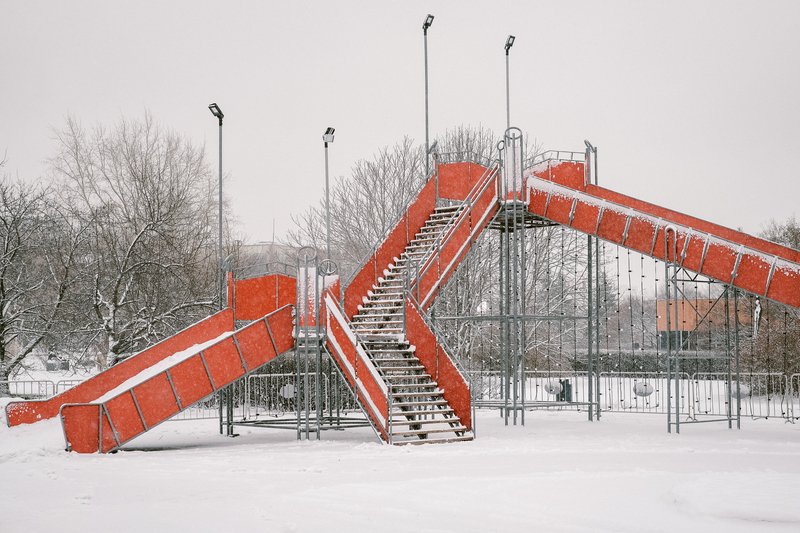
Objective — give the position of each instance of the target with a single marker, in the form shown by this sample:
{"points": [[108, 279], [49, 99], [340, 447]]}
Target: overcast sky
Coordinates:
{"points": [[693, 105]]}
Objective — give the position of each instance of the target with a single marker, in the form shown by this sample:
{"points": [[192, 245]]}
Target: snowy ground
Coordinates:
{"points": [[558, 473]]}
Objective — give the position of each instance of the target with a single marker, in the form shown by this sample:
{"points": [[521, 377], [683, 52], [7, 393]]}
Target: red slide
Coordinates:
{"points": [[113, 407], [557, 191]]}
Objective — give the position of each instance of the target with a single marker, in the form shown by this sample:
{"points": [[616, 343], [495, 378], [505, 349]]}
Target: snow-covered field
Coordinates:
{"points": [[558, 473]]}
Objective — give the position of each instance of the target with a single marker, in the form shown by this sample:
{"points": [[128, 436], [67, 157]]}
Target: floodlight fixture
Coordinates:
{"points": [[328, 135], [428, 23], [433, 147], [216, 111], [509, 43]]}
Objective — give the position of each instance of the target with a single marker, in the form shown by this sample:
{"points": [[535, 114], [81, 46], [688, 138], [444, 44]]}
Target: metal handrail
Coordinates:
{"points": [[365, 259], [555, 155]]}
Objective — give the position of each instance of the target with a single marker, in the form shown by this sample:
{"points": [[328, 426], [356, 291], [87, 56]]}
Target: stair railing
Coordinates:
{"points": [[448, 157], [443, 239]]}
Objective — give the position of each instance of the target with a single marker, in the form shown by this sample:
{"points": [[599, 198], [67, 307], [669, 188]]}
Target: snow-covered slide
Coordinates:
{"points": [[28, 412], [175, 383], [557, 191]]}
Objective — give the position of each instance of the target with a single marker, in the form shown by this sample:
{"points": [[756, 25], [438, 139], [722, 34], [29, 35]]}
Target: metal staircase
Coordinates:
{"points": [[418, 410]]}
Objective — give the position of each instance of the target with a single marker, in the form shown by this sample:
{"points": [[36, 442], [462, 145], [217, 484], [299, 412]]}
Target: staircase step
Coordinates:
{"points": [[423, 412], [462, 438], [420, 404], [413, 432], [418, 394], [402, 368]]}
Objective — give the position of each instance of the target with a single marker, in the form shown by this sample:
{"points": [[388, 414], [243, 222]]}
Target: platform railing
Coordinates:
{"points": [[555, 155]]}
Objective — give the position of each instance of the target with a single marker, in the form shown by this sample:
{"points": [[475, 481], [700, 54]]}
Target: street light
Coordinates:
{"points": [[327, 137], [509, 44], [217, 112], [425, 25]]}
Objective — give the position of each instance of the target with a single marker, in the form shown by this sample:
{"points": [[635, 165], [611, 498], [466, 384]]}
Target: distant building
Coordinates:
{"points": [[704, 317]]}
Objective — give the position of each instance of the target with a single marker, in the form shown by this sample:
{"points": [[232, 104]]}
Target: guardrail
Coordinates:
{"points": [[761, 395], [33, 389]]}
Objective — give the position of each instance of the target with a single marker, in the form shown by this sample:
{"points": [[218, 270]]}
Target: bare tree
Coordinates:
{"points": [[146, 195], [786, 233], [38, 248]]}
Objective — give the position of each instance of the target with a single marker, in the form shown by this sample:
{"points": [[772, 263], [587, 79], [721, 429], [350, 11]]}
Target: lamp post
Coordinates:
{"points": [[327, 137], [509, 44], [217, 112], [425, 25]]}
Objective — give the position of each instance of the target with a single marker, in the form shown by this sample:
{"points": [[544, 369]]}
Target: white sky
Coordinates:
{"points": [[693, 105]]}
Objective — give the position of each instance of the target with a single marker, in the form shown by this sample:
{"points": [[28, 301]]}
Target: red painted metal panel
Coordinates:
{"points": [[256, 297], [255, 344], [29, 412], [439, 364], [565, 173], [191, 381], [752, 274], [559, 208], [538, 202], [457, 179], [694, 254], [156, 400], [612, 226], [785, 286], [223, 362], [719, 262], [81, 424], [124, 417], [585, 217], [280, 323]]}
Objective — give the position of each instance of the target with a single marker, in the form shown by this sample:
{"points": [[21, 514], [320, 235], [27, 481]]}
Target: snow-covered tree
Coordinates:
{"points": [[39, 244], [147, 196]]}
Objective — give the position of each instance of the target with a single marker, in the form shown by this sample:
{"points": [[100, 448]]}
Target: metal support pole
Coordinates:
{"points": [[427, 143], [508, 95], [589, 318], [327, 208]]}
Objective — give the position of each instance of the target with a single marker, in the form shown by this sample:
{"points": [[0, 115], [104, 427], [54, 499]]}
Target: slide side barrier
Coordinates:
{"points": [[438, 363], [357, 367]]}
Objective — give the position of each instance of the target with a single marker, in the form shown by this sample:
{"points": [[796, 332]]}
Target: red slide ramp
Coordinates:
{"points": [[174, 384], [558, 191]]}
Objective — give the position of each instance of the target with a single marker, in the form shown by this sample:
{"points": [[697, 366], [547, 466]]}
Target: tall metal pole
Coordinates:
{"points": [[425, 25], [509, 44], [219, 237], [327, 208], [508, 96], [220, 275]]}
